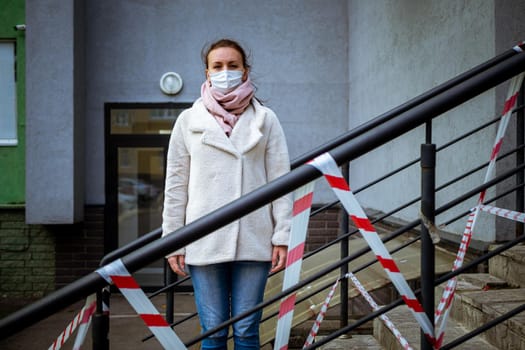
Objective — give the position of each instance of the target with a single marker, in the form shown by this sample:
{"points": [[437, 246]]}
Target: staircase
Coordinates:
{"points": [[480, 297]]}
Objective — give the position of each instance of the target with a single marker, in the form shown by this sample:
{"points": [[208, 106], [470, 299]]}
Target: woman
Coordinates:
{"points": [[226, 145]]}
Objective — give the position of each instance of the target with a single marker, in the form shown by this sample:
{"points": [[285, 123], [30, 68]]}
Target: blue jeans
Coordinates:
{"points": [[225, 290]]}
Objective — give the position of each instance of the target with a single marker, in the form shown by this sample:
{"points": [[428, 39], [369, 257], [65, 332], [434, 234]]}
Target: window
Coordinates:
{"points": [[8, 134], [145, 120]]}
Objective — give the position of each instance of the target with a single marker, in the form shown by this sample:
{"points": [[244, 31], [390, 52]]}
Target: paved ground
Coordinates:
{"points": [[126, 329]]}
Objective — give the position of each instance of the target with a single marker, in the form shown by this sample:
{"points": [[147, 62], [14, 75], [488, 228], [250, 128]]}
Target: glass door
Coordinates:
{"points": [[140, 181], [137, 137]]}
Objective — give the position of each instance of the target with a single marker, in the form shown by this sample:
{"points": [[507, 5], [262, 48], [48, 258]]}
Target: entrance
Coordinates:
{"points": [[137, 138]]}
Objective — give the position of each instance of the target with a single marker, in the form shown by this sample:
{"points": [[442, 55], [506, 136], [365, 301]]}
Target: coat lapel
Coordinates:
{"points": [[247, 131], [212, 134], [245, 135]]}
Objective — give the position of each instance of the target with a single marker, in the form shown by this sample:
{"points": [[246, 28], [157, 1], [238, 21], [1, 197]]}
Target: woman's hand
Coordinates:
{"points": [[279, 254], [178, 264]]}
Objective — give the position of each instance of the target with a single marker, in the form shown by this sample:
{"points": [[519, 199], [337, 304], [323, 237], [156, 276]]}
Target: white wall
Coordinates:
{"points": [[398, 50]]}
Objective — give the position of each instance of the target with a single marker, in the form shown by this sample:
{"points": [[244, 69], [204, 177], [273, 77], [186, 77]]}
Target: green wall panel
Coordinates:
{"points": [[12, 158]]}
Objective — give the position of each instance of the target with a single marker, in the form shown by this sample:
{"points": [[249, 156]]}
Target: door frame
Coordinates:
{"points": [[112, 142]]}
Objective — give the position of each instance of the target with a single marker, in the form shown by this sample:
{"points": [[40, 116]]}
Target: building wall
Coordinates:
{"points": [[412, 47], [324, 67], [298, 52], [12, 158], [27, 254], [54, 176], [510, 29]]}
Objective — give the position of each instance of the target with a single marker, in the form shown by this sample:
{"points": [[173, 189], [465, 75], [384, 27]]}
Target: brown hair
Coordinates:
{"points": [[224, 43]]}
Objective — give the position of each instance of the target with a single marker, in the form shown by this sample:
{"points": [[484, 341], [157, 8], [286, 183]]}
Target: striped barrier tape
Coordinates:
{"points": [[504, 213], [327, 165], [362, 222], [84, 326], [300, 216], [117, 273], [443, 308], [81, 320], [402, 340], [320, 317]]}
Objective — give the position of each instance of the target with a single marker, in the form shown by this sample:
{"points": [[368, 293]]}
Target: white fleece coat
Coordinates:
{"points": [[206, 170]]}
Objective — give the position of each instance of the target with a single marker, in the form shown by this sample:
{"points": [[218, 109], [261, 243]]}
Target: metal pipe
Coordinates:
{"points": [[343, 290], [170, 277], [520, 156], [100, 331], [428, 206]]}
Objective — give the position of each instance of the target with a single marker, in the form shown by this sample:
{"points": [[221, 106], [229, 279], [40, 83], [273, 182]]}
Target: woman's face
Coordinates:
{"points": [[225, 58]]}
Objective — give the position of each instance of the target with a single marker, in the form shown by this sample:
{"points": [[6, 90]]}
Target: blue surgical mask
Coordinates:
{"points": [[226, 80]]}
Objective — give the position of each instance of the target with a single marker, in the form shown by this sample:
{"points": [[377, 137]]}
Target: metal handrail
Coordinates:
{"points": [[450, 143], [406, 120], [343, 261], [324, 287]]}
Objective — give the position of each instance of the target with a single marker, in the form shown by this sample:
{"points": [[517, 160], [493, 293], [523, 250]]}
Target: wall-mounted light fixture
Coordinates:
{"points": [[171, 83]]}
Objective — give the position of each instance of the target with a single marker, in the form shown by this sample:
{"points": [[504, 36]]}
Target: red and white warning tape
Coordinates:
{"points": [[84, 326], [301, 214], [117, 273], [81, 320], [448, 293], [404, 343], [504, 213], [326, 164], [320, 317]]}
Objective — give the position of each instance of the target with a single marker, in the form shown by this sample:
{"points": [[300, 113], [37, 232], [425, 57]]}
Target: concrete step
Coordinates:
{"points": [[407, 325], [480, 298], [510, 266], [354, 342], [299, 333]]}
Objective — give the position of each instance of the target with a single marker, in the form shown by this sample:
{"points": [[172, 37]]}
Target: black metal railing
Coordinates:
{"points": [[359, 141], [343, 239]]}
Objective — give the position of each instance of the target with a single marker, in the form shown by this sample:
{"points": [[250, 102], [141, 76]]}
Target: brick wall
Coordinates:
{"points": [[80, 247], [27, 257], [322, 228], [38, 259]]}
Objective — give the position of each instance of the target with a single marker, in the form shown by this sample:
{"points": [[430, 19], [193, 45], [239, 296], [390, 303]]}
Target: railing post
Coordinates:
{"points": [[344, 253], [520, 157], [428, 184], [100, 331], [170, 278]]}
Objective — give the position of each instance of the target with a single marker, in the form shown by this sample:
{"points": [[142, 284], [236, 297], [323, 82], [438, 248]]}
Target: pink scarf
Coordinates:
{"points": [[227, 108]]}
